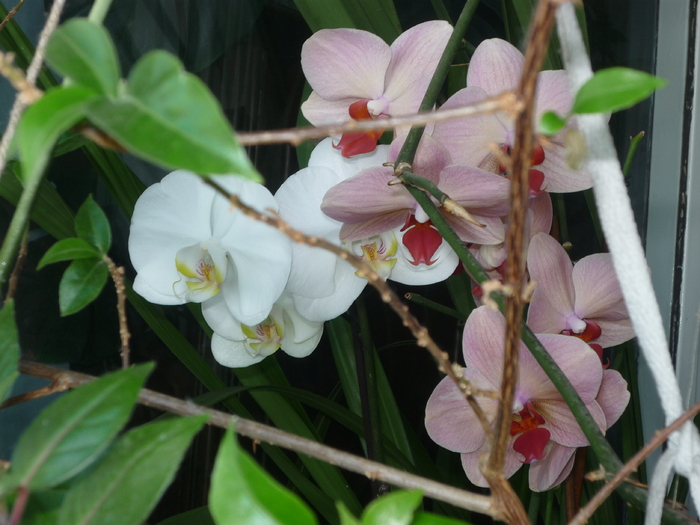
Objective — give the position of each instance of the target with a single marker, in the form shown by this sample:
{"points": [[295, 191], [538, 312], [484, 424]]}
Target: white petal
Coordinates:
{"points": [[232, 353], [325, 155], [219, 318]]}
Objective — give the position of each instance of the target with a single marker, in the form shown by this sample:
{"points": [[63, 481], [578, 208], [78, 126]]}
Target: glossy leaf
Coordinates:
{"points": [[169, 117], [243, 493], [92, 226], [396, 508], [551, 123], [72, 432], [81, 284], [67, 250], [125, 486], [84, 52], [614, 89], [9, 349], [43, 507], [43, 123]]}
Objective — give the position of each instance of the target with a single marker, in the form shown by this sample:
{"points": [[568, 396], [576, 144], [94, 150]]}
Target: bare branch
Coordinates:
{"points": [[117, 274]]}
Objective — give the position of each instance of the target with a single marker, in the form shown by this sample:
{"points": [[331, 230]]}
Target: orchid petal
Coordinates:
{"points": [[482, 342], [372, 227], [468, 139], [597, 289], [551, 268], [495, 66], [359, 60], [613, 396], [324, 155], [414, 57], [232, 354], [559, 176], [553, 469], [219, 318], [451, 422], [430, 159], [563, 425], [614, 332], [446, 260], [541, 207], [553, 93], [493, 231], [152, 295], [474, 189], [471, 461], [321, 112]]}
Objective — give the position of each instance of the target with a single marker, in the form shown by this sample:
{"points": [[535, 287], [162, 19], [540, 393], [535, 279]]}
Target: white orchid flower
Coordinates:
{"points": [[188, 245]]}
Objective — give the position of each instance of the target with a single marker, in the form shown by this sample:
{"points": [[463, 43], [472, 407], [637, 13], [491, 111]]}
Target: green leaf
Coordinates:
{"points": [[84, 52], [9, 349], [426, 518], [396, 508], [346, 517], [123, 488], [198, 516], [43, 123], [169, 117], [72, 432], [614, 89], [81, 284], [243, 493], [92, 226], [551, 123], [43, 507], [67, 250]]}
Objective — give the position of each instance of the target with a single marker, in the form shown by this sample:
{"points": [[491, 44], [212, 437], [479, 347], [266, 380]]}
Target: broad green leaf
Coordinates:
{"points": [[614, 89], [72, 432], [396, 508], [427, 518], [43, 507], [551, 123], [81, 284], [169, 117], [84, 52], [9, 349], [242, 493], [43, 123], [198, 516], [123, 488], [67, 250], [92, 226]]}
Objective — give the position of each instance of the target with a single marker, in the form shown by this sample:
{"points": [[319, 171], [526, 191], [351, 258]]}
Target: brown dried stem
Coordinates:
{"points": [[117, 274], [503, 102], [257, 431], [631, 466], [58, 385], [14, 276], [11, 14], [366, 271]]}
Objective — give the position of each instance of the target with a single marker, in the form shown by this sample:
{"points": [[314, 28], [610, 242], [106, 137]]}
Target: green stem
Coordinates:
{"points": [[634, 143], [424, 184], [374, 439], [422, 301], [98, 12]]}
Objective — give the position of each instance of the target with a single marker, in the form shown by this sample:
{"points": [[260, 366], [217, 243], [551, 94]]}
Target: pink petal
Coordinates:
{"points": [[470, 464], [476, 190], [613, 396], [553, 93], [321, 112], [345, 63], [451, 422], [560, 177], [414, 57], [482, 342], [598, 293], [541, 207], [614, 332], [383, 223], [551, 268], [366, 196], [430, 159], [495, 66], [553, 469], [468, 138], [542, 318], [492, 233], [562, 424]]}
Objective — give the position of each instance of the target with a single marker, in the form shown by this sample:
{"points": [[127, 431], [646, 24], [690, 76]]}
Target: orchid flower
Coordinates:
{"points": [[237, 345], [583, 300], [495, 67], [188, 245], [355, 74], [368, 205], [322, 285], [542, 426]]}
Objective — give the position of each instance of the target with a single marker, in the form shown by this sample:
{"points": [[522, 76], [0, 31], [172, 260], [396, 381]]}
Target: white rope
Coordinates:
{"points": [[621, 234]]}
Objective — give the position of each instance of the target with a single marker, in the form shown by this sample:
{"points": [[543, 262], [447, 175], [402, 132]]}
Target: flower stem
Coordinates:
{"points": [[98, 12], [422, 301]]}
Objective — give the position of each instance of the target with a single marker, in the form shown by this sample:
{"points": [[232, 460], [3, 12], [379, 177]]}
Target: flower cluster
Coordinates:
{"points": [[260, 293]]}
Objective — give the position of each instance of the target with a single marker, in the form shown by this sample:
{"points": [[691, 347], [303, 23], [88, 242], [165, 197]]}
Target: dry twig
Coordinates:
{"points": [[11, 14], [117, 274]]}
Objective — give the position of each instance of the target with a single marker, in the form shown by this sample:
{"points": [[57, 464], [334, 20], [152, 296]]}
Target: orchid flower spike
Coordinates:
{"points": [[495, 67], [368, 205], [322, 285], [543, 430], [583, 300], [188, 245], [237, 345], [355, 74]]}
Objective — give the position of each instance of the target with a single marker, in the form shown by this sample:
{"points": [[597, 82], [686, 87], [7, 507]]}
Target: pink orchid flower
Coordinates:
{"points": [[543, 430], [367, 205], [496, 67], [583, 300], [355, 74]]}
